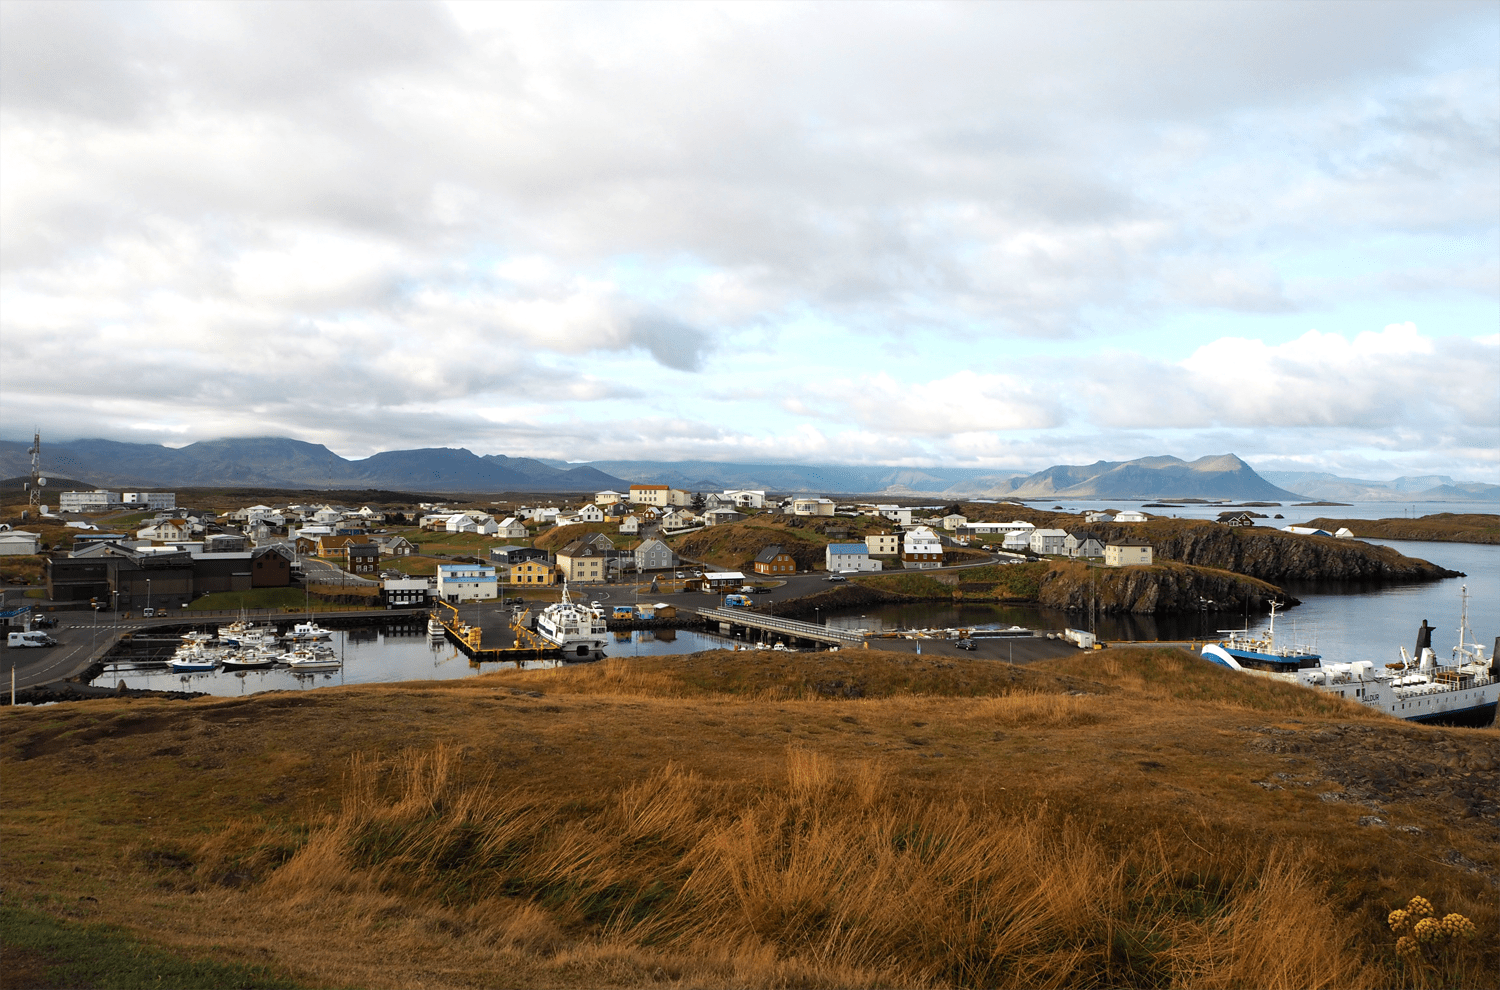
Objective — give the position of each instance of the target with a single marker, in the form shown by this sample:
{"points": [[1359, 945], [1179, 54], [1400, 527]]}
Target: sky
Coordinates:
{"points": [[987, 235]]}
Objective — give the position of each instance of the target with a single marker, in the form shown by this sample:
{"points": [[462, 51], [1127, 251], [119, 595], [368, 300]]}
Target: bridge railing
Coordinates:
{"points": [[775, 623]]}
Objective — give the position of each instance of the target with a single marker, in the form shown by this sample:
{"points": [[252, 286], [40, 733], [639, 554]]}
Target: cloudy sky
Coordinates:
{"points": [[1004, 235]]}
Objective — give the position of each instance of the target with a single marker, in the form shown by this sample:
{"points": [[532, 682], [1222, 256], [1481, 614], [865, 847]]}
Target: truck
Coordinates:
{"points": [[16, 639], [736, 601]]}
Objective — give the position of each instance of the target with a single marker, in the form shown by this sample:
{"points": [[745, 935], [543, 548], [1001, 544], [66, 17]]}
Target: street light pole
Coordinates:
{"points": [[148, 593]]}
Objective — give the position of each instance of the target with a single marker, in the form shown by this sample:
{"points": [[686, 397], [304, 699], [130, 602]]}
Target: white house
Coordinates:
{"points": [[838, 557], [166, 531], [477, 522], [896, 514], [1098, 516], [466, 582], [327, 516], [590, 513], [953, 520], [883, 544], [607, 497], [19, 541], [1130, 516], [630, 524], [812, 506], [680, 497], [511, 529], [1017, 541], [1083, 544], [722, 515], [677, 520], [1047, 541], [745, 498], [1125, 552]]}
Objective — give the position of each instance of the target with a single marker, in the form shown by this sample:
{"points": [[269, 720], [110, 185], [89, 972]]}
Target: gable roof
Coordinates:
{"points": [[769, 554], [855, 548]]}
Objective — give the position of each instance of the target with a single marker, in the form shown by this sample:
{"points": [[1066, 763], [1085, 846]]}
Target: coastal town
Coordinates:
{"points": [[410, 555]]}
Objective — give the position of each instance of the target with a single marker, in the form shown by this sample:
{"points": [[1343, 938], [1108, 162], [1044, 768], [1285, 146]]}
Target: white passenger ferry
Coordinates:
{"points": [[578, 629]]}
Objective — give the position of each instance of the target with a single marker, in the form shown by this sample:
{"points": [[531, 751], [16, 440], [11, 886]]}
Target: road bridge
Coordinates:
{"points": [[791, 628]]}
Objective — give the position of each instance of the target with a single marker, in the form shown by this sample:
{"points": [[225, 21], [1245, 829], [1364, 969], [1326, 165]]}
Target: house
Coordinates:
{"points": [[151, 500], [511, 529], [1017, 541], [896, 514], [396, 546], [921, 549], [609, 498], [333, 546], [812, 506], [581, 562], [406, 592], [1303, 530], [224, 543], [718, 582], [533, 572], [271, 567], [1046, 542], [1130, 516], [1126, 552], [166, 531], [472, 522], [672, 519], [1237, 518], [953, 520], [362, 558], [1082, 543], [98, 500], [1345, 533], [19, 541], [839, 557], [630, 524], [745, 498], [720, 516], [680, 498], [511, 554], [1099, 516], [327, 516], [590, 513], [883, 544], [650, 494], [654, 555], [466, 582], [774, 560]]}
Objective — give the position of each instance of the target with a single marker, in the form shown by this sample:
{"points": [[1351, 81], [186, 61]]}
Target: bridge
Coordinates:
{"points": [[791, 628]]}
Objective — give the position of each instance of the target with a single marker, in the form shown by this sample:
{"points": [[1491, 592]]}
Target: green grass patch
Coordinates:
{"points": [[36, 592], [44, 951], [254, 598]]}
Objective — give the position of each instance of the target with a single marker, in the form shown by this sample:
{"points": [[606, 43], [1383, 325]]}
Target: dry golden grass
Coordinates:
{"points": [[733, 820]]}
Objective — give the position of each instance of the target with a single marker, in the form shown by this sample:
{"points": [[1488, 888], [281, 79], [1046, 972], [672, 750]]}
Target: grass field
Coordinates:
{"points": [[1124, 819]]}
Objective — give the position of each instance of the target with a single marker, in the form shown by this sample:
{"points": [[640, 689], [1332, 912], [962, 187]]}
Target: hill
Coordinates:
{"points": [[1125, 819], [1440, 527], [279, 462], [1222, 477]]}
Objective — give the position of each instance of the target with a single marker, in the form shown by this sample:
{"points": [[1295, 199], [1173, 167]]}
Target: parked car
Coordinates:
{"points": [[966, 644]]}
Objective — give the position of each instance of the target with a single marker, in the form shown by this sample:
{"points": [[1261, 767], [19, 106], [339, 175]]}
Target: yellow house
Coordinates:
{"points": [[533, 572], [1123, 553]]}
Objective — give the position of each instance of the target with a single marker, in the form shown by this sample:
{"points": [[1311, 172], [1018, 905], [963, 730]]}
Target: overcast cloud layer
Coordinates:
{"points": [[1006, 235]]}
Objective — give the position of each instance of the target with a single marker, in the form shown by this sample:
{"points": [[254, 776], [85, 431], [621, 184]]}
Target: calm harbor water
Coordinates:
{"points": [[1357, 622]]}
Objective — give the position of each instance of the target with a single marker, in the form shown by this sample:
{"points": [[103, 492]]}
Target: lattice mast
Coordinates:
{"points": [[37, 483]]}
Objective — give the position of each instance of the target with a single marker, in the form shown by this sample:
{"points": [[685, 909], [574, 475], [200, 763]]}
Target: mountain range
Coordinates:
{"points": [[1424, 488], [279, 462]]}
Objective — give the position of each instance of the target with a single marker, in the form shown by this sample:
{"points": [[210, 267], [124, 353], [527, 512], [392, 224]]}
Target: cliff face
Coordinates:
{"points": [[1162, 589], [1272, 555]]}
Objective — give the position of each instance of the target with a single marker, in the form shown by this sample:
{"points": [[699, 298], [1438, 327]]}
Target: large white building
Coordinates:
{"points": [[466, 582], [151, 500], [745, 498], [651, 494], [921, 549], [98, 500]]}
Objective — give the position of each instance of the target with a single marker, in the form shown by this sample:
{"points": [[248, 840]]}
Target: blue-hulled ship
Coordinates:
{"points": [[1260, 652]]}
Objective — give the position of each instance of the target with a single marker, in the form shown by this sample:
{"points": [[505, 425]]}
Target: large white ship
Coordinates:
{"points": [[579, 630], [1419, 688]]}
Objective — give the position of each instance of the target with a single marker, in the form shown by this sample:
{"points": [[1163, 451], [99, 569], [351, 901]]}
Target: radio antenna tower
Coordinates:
{"points": [[37, 483]]}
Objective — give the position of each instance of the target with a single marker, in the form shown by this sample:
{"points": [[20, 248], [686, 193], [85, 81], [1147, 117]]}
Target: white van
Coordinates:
{"points": [[29, 639]]}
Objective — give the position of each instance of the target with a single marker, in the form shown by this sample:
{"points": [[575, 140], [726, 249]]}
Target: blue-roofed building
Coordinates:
{"points": [[839, 557]]}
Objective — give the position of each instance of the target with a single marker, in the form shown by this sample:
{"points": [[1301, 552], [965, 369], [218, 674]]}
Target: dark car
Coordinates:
{"points": [[966, 644]]}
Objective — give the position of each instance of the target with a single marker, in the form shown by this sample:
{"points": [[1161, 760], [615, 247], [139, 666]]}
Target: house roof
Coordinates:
{"points": [[1129, 541], [856, 548], [654, 488], [769, 554]]}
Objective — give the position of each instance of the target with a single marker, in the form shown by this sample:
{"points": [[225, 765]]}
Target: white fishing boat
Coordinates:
{"points": [[196, 636], [193, 658], [578, 630], [1419, 687], [309, 631], [307, 659], [250, 658], [434, 627]]}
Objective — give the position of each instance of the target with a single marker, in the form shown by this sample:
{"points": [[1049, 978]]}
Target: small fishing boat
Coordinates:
{"points": [[306, 659], [250, 659], [193, 658], [310, 630]]}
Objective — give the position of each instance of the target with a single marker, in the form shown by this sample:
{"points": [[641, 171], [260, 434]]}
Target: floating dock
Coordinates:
{"points": [[524, 644]]}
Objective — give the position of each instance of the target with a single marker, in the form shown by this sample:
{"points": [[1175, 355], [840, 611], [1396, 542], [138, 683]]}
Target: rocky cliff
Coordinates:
{"points": [[1272, 555], [1162, 589]]}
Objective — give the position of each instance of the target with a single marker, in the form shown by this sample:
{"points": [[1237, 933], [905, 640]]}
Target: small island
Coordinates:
{"points": [[1441, 527]]}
